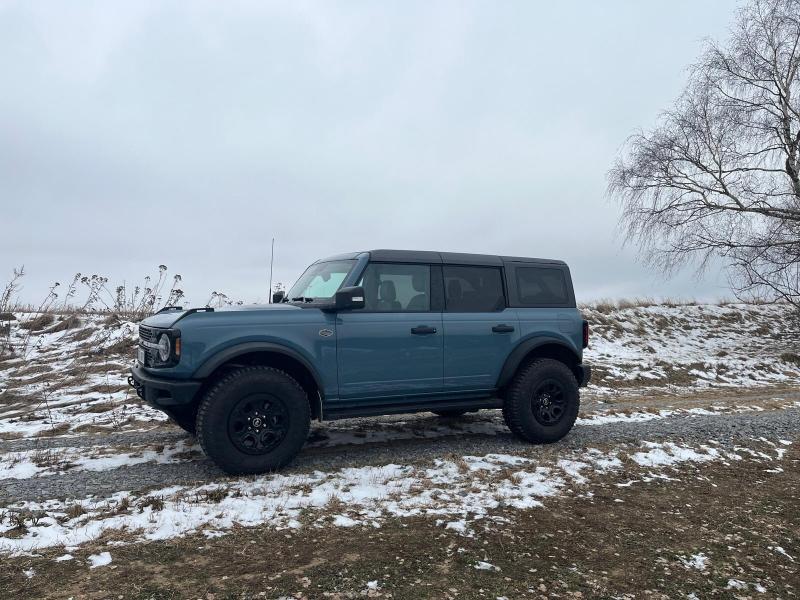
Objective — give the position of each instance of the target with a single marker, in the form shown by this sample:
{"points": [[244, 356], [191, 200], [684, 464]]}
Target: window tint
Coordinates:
{"points": [[538, 286], [396, 288], [473, 289]]}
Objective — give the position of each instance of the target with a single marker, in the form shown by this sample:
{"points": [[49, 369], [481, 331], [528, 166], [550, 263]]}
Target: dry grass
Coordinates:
{"points": [[65, 323], [75, 511], [59, 429], [791, 357], [82, 334], [38, 323]]}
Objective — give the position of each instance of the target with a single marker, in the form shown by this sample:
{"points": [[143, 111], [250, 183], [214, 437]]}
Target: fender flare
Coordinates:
{"points": [[524, 348], [223, 356]]}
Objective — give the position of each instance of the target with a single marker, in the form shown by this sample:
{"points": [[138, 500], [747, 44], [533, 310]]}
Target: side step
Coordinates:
{"points": [[371, 408]]}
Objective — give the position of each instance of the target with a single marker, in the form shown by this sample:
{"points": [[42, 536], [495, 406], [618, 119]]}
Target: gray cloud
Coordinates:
{"points": [[145, 133]]}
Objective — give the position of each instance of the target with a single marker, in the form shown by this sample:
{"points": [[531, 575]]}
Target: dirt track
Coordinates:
{"points": [[409, 439]]}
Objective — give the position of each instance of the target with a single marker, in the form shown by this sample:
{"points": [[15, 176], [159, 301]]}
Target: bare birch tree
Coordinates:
{"points": [[719, 174]]}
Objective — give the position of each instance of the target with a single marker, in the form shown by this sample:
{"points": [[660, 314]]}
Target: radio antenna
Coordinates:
{"points": [[271, 260]]}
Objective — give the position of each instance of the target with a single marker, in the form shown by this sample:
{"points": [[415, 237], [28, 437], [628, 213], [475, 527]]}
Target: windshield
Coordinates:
{"points": [[320, 281]]}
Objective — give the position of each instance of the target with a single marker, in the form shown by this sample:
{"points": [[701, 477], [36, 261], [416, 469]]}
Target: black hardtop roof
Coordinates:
{"points": [[452, 258]]}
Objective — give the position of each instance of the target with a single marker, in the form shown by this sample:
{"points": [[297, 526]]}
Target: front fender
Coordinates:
{"points": [[223, 356]]}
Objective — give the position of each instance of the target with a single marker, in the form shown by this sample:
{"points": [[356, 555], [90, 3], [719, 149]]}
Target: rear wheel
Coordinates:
{"points": [[542, 401], [253, 420]]}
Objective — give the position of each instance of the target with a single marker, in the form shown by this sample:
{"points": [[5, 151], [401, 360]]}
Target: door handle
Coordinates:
{"points": [[423, 330], [502, 329]]}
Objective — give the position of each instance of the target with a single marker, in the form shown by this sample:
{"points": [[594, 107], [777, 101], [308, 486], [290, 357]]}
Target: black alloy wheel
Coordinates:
{"points": [[258, 423], [549, 402]]}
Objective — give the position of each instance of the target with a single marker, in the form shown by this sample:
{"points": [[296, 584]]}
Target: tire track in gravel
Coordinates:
{"points": [[728, 429]]}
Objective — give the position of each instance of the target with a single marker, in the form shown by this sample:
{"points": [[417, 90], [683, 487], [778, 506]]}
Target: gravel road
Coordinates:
{"points": [[727, 429]]}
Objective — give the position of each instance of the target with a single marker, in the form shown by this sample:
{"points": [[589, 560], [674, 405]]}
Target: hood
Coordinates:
{"points": [[168, 319]]}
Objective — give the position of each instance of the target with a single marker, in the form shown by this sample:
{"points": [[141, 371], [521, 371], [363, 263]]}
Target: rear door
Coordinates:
{"points": [[479, 329], [393, 346]]}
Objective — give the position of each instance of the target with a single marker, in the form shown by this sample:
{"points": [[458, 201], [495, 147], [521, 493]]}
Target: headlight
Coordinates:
{"points": [[164, 348]]}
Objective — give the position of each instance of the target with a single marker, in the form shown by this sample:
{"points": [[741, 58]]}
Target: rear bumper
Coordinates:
{"points": [[160, 392], [586, 375]]}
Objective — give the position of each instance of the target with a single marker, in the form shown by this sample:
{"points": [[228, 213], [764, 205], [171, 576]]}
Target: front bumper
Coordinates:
{"points": [[161, 392], [586, 375]]}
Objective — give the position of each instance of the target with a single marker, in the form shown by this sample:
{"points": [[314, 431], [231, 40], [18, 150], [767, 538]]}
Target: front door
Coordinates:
{"points": [[393, 346]]}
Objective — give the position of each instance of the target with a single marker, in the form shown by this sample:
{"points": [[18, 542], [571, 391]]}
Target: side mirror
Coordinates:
{"points": [[278, 297], [349, 298]]}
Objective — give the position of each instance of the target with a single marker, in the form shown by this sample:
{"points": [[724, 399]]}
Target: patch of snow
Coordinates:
{"points": [[344, 521], [606, 418], [668, 454], [99, 560], [459, 526], [573, 469], [780, 550], [697, 561]]}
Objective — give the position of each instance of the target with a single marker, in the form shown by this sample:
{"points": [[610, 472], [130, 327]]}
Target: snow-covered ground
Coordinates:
{"points": [[70, 381], [461, 493], [36, 463], [63, 385], [704, 345]]}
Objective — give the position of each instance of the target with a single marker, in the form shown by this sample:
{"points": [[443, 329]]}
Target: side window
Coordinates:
{"points": [[473, 289], [396, 288], [541, 286]]}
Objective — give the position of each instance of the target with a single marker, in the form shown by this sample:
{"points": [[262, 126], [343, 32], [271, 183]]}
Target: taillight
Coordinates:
{"points": [[586, 334]]}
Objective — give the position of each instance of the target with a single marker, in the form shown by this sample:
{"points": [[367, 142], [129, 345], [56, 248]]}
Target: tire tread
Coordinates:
{"points": [[210, 396], [516, 401]]}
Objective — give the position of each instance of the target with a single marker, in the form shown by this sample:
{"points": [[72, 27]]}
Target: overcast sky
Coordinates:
{"points": [[189, 134]]}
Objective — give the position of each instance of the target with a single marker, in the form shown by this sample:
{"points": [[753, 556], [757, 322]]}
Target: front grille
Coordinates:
{"points": [[147, 334]]}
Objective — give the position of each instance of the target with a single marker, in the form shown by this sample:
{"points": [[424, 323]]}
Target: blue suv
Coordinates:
{"points": [[370, 333]]}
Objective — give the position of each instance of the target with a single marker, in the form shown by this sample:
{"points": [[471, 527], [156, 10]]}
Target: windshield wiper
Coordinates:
{"points": [[302, 299]]}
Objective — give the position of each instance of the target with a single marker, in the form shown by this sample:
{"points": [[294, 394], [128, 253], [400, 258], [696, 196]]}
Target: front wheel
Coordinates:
{"points": [[184, 417], [253, 420], [542, 402]]}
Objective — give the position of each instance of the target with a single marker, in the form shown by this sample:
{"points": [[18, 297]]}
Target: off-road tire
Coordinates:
{"points": [[223, 398], [450, 414], [519, 408], [184, 417]]}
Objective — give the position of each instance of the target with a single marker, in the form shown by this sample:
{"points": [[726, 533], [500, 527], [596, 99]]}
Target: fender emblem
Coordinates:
{"points": [[325, 332]]}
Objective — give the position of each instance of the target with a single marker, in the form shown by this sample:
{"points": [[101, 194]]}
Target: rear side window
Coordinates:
{"points": [[473, 289], [541, 286]]}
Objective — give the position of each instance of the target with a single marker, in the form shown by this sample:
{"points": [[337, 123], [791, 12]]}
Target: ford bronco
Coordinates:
{"points": [[370, 333]]}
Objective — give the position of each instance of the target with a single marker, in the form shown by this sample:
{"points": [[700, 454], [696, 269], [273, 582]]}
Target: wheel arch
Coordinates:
{"points": [[271, 355], [539, 347]]}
